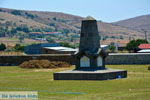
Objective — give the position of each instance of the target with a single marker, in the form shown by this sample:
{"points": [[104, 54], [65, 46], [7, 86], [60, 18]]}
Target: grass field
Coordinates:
{"points": [[135, 87]]}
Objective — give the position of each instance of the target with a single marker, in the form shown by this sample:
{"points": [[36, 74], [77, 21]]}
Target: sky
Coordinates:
{"points": [[104, 10]]}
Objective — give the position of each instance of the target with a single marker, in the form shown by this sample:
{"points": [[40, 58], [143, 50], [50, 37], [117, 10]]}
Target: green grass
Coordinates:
{"points": [[135, 87]]}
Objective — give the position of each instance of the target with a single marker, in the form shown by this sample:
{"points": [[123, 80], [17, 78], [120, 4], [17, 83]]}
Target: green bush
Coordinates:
{"points": [[2, 47], [44, 64], [112, 47], [66, 44], [16, 12], [133, 45], [30, 15], [18, 47]]}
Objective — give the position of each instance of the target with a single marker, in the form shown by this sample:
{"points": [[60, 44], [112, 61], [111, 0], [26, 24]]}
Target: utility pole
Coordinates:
{"points": [[145, 32], [130, 38]]}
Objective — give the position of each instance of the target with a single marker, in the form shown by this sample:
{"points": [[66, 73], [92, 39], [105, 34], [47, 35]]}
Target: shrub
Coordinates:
{"points": [[2, 47], [133, 45], [66, 44], [149, 68], [31, 15], [44, 64], [16, 12], [112, 47], [18, 47]]}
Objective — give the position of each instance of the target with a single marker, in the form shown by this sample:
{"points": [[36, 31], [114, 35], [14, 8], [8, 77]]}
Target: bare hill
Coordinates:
{"points": [[53, 20], [108, 28], [61, 21], [137, 23]]}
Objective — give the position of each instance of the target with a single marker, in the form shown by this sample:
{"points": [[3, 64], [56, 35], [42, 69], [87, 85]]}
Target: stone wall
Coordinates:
{"points": [[128, 58], [16, 60], [138, 58]]}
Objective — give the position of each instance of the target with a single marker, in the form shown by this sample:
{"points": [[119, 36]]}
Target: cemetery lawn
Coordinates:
{"points": [[135, 87]]}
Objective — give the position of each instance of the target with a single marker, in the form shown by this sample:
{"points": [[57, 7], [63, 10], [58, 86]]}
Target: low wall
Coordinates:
{"points": [[133, 58], [128, 58], [16, 60]]}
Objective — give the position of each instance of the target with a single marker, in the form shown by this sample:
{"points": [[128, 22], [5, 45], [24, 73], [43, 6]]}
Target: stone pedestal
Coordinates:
{"points": [[106, 74]]}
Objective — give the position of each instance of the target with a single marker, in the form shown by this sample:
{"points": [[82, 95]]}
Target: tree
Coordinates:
{"points": [[121, 37], [2, 31], [112, 47], [13, 31], [16, 12], [18, 47], [50, 40], [64, 44], [21, 37], [133, 45], [2, 47], [23, 28], [66, 31], [54, 18]]}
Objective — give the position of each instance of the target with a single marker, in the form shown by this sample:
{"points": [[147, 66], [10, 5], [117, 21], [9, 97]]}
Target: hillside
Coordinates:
{"points": [[137, 23], [40, 21], [108, 28]]}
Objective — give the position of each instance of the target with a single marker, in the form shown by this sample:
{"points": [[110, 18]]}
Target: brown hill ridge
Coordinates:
{"points": [[62, 21], [137, 23]]}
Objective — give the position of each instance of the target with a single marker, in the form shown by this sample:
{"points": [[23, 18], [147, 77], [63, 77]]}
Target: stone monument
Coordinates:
{"points": [[90, 58]]}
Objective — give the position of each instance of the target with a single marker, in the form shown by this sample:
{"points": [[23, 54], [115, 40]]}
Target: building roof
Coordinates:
{"points": [[61, 48], [36, 48], [44, 32], [144, 51], [123, 42], [103, 46], [144, 46]]}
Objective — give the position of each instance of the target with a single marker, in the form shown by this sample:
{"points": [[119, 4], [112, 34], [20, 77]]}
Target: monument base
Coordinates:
{"points": [[106, 74]]}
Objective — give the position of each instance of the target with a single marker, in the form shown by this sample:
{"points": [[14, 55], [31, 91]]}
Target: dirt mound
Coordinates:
{"points": [[44, 64]]}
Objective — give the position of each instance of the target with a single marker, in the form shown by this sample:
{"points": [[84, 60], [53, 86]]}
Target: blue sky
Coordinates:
{"points": [[105, 10]]}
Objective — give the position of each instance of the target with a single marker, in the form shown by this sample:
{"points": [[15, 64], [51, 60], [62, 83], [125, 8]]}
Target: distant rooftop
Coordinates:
{"points": [[144, 46], [44, 32], [144, 51], [123, 42], [68, 49], [103, 46], [61, 48]]}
